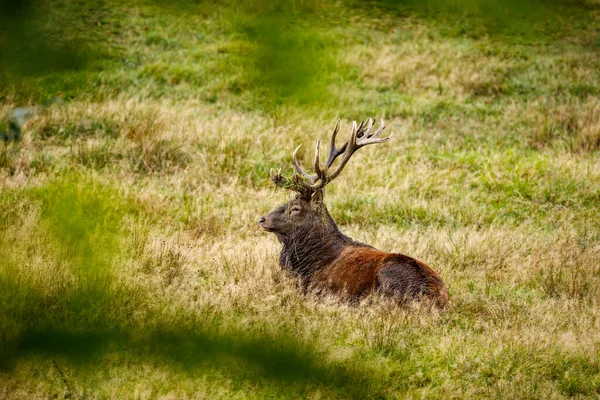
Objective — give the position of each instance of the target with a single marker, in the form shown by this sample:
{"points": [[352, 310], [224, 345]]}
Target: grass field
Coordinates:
{"points": [[131, 263]]}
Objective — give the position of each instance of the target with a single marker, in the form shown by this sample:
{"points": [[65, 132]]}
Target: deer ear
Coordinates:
{"points": [[317, 197]]}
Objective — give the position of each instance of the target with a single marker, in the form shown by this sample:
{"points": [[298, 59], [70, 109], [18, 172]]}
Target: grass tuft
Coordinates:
{"points": [[574, 124], [571, 269]]}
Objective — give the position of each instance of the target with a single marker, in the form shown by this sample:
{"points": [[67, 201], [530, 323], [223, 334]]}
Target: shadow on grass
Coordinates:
{"points": [[84, 313], [279, 359]]}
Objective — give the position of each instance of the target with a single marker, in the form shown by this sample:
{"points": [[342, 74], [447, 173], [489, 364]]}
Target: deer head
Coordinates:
{"points": [[307, 210]]}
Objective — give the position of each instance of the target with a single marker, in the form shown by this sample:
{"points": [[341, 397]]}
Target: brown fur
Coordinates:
{"points": [[315, 250], [355, 273]]}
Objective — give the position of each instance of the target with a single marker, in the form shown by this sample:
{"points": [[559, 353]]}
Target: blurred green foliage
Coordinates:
{"points": [[39, 41], [84, 220], [289, 57], [81, 222], [508, 20], [84, 225]]}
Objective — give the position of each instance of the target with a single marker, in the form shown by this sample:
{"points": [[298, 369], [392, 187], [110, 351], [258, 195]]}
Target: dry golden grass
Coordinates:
{"points": [[133, 266], [522, 289], [574, 124]]}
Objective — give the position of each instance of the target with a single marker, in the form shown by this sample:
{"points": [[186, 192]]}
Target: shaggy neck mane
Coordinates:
{"points": [[311, 247]]}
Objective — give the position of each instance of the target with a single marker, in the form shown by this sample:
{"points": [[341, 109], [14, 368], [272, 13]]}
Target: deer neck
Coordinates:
{"points": [[310, 248]]}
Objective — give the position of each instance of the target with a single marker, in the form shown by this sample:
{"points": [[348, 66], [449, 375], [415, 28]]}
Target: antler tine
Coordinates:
{"points": [[367, 128], [333, 151], [381, 128], [353, 139], [374, 138], [299, 169], [349, 149], [359, 130], [318, 170]]}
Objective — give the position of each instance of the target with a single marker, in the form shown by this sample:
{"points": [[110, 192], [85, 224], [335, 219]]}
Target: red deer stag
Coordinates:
{"points": [[323, 257]]}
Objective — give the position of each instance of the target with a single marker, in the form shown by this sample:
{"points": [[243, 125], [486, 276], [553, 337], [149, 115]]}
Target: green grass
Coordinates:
{"points": [[131, 265]]}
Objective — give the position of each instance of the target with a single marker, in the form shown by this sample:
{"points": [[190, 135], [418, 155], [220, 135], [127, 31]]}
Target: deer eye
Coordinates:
{"points": [[296, 209]]}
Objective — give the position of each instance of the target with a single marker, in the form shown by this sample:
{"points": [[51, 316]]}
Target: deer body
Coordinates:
{"points": [[324, 258], [360, 270]]}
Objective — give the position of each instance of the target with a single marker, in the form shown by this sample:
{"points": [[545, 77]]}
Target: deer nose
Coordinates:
{"points": [[261, 220]]}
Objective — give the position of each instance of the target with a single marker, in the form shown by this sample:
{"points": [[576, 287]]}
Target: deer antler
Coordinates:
{"points": [[360, 136]]}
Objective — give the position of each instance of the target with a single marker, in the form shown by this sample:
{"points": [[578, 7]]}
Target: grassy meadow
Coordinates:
{"points": [[131, 263]]}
